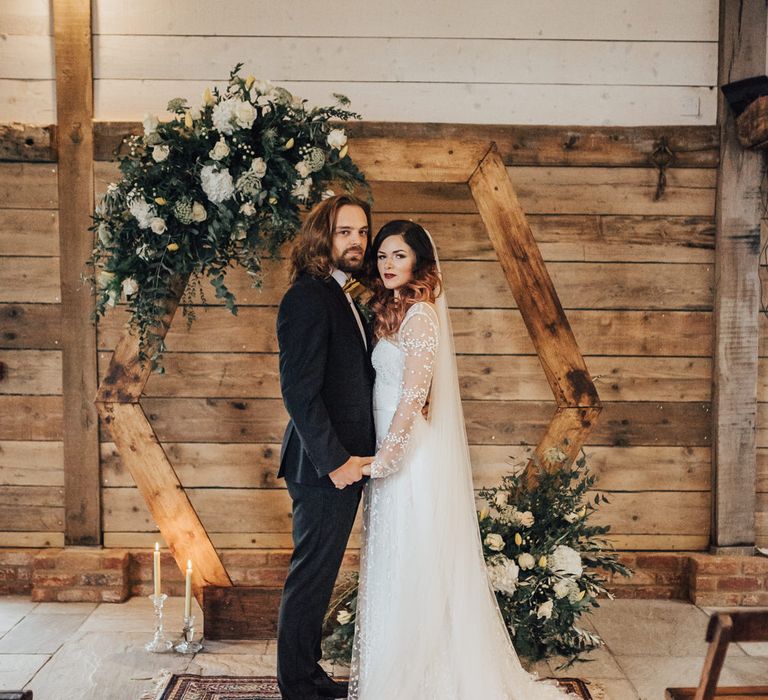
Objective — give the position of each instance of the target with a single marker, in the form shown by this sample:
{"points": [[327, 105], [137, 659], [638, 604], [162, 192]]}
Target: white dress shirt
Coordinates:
{"points": [[341, 277]]}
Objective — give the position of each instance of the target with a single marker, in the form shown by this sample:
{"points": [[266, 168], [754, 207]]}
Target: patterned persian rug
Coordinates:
{"points": [[189, 687]]}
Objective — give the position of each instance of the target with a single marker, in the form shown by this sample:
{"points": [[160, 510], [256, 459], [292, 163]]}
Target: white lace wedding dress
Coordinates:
{"points": [[428, 626]]}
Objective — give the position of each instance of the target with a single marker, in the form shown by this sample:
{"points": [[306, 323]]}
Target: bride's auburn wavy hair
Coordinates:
{"points": [[312, 251], [424, 284]]}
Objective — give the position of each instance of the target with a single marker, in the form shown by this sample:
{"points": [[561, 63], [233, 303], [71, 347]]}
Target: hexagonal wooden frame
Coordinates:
{"points": [[477, 164]]}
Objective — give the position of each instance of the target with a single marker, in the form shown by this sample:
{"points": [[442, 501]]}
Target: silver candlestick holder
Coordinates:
{"points": [[159, 644], [188, 644]]}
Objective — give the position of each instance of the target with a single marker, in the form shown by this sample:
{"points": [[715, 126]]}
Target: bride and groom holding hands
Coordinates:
{"points": [[375, 413]]}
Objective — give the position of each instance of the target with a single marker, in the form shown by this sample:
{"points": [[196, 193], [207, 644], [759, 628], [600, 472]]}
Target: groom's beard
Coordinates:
{"points": [[351, 260]]}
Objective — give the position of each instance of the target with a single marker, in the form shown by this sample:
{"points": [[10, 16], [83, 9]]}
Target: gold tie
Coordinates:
{"points": [[353, 288]]}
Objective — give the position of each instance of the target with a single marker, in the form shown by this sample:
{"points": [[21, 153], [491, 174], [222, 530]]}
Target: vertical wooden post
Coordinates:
{"points": [[74, 106], [738, 212]]}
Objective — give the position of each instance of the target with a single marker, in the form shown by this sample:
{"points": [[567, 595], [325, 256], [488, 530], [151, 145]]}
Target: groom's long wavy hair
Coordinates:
{"points": [[311, 254], [423, 286]]}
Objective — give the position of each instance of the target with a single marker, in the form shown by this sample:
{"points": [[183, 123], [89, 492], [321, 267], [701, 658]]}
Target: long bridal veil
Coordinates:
{"points": [[449, 603]]}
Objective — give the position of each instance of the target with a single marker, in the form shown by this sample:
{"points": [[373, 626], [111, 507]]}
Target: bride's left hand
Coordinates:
{"points": [[367, 470]]}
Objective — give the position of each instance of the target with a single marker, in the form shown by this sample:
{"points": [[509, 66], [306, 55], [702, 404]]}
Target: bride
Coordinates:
{"points": [[428, 625]]}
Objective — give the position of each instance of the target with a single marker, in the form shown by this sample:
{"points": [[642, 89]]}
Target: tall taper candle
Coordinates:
{"points": [[156, 568], [188, 590]]}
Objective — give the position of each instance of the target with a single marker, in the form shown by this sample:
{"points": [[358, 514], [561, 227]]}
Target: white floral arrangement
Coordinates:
{"points": [[219, 183], [546, 563]]}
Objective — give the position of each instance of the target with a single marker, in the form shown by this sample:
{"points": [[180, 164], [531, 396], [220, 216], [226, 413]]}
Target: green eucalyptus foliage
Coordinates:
{"points": [[158, 224]]}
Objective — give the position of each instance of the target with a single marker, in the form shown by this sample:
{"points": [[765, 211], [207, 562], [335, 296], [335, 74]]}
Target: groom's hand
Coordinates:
{"points": [[350, 472]]}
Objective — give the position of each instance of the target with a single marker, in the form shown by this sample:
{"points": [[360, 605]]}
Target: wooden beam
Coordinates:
{"points": [[127, 375], [519, 144], [28, 143], [164, 495], [74, 97], [418, 160], [568, 432], [737, 289], [531, 284], [578, 405], [118, 405]]}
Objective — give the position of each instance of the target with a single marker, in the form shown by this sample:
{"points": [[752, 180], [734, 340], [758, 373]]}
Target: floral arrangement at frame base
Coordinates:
{"points": [[545, 562], [220, 183]]}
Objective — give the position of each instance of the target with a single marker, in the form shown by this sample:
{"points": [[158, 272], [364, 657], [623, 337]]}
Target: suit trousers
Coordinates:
{"points": [[322, 522]]}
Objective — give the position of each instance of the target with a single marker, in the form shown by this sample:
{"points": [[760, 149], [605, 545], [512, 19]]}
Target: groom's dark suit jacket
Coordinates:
{"points": [[326, 379]]}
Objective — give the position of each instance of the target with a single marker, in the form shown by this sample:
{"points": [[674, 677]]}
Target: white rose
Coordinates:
{"points": [[258, 167], [526, 561], [564, 587], [301, 188], [160, 153], [565, 561], [130, 286], [104, 279], [302, 168], [222, 116], [248, 209], [217, 184], [344, 617], [525, 518], [150, 123], [198, 212], [501, 499], [503, 574], [245, 114], [337, 138], [545, 610], [494, 542], [142, 211], [220, 150], [157, 225], [263, 86]]}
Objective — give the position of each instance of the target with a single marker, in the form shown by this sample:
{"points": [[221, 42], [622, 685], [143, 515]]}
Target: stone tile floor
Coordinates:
{"points": [[74, 651]]}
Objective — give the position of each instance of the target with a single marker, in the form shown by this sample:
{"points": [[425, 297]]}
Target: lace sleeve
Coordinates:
{"points": [[418, 340]]}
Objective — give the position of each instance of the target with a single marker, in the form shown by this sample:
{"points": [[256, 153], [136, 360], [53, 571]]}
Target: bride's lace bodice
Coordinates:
{"points": [[403, 377]]}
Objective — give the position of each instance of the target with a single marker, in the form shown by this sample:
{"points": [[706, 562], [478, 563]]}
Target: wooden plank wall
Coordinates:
{"points": [[634, 275], [515, 62], [31, 450]]}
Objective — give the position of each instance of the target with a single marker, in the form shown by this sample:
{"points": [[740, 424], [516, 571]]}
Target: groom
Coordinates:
{"points": [[327, 382]]}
